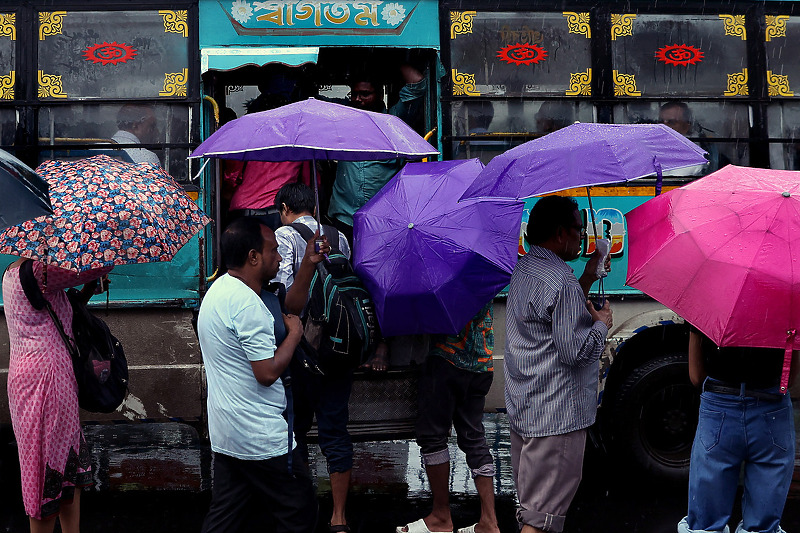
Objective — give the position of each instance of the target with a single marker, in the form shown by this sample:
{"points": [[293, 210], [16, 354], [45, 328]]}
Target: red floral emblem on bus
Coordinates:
{"points": [[109, 53], [679, 54], [522, 54]]}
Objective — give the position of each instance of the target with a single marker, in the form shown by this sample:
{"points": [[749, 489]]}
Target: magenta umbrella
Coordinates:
{"points": [[429, 261], [722, 252]]}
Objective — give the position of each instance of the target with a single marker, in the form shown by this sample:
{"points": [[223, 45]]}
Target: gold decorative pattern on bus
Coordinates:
{"points": [[778, 84], [737, 84], [8, 25], [464, 84], [578, 23], [50, 23], [621, 25], [776, 26], [7, 86], [625, 84], [734, 25], [175, 21], [461, 22], [50, 86], [580, 83], [175, 83]]}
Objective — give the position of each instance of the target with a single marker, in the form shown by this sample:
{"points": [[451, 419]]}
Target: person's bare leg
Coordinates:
{"points": [[488, 520], [340, 485], [530, 529], [439, 479], [70, 514], [43, 526]]}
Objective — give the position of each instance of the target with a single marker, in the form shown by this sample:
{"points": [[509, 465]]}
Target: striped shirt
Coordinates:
{"points": [[552, 349], [292, 247]]}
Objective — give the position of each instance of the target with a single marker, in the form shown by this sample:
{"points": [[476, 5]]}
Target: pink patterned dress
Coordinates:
{"points": [[43, 394]]}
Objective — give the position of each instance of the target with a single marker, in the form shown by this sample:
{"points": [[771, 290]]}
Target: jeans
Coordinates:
{"points": [[327, 397], [731, 431]]}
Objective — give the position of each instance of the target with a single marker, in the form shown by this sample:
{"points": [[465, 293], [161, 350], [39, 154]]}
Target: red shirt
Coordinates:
{"points": [[257, 187]]}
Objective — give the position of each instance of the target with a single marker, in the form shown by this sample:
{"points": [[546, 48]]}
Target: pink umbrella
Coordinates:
{"points": [[723, 252]]}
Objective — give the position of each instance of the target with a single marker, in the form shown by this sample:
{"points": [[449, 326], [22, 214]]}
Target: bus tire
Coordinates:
{"points": [[655, 418]]}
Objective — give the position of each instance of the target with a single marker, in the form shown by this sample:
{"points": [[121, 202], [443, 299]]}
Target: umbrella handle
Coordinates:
{"points": [[316, 196]]}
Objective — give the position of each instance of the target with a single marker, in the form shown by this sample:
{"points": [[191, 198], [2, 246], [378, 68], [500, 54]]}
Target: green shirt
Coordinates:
{"points": [[472, 348]]}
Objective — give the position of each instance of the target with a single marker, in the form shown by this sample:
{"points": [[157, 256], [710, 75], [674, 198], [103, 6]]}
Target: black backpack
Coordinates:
{"points": [[340, 322], [98, 359]]}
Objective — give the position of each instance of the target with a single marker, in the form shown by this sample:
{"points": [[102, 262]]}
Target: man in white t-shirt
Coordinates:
{"points": [[254, 455]]}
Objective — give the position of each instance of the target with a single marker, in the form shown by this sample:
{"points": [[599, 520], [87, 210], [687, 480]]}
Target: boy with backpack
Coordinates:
{"points": [[326, 395]]}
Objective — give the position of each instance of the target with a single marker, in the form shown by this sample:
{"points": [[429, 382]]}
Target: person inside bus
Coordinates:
{"points": [[252, 185], [137, 125], [453, 385], [744, 420], [678, 116], [357, 182], [553, 116]]}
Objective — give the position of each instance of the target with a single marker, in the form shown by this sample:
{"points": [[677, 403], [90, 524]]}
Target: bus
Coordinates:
{"points": [[498, 75]]}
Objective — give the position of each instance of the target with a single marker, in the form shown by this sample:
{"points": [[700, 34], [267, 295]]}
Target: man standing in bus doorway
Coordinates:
{"points": [[358, 181], [255, 460], [137, 125], [554, 339], [452, 388]]}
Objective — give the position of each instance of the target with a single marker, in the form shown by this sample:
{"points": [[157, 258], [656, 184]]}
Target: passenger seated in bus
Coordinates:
{"points": [[358, 181], [137, 125], [252, 185], [553, 116], [679, 117]]}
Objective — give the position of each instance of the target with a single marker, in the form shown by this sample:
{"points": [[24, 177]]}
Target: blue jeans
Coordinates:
{"points": [[731, 431]]}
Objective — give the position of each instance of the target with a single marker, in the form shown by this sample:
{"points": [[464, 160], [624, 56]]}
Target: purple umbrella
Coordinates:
{"points": [[582, 155], [430, 261], [314, 129]]}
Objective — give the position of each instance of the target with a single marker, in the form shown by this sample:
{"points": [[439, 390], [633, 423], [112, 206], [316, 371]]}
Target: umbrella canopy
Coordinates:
{"points": [[429, 261], [314, 129], [24, 195], [722, 253], [582, 155], [106, 213]]}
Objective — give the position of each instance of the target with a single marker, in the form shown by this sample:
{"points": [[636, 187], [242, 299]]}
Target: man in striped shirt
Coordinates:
{"points": [[554, 339]]}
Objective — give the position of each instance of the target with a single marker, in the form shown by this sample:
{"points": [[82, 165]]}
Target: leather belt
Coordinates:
{"points": [[732, 390]]}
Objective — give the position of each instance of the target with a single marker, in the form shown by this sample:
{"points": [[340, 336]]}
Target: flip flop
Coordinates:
{"points": [[417, 527], [470, 529]]}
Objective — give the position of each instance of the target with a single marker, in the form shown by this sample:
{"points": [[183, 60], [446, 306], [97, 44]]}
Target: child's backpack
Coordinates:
{"points": [[340, 321]]}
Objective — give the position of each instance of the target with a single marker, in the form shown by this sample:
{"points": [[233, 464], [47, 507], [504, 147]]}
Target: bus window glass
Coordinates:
{"points": [[237, 97], [8, 126], [782, 44], [720, 128], [784, 123], [79, 130], [485, 128], [112, 54], [679, 55], [518, 54], [8, 40]]}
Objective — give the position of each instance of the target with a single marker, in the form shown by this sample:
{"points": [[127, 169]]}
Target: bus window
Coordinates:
{"points": [[784, 124], [71, 130], [720, 128], [486, 128]]}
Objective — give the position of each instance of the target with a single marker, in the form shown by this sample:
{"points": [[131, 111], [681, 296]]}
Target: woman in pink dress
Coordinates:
{"points": [[43, 398]]}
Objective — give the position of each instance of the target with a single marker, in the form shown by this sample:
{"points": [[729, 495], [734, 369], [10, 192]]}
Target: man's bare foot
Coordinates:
{"points": [[379, 361]]}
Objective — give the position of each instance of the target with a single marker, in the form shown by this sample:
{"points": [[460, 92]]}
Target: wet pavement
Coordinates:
{"points": [[156, 478]]}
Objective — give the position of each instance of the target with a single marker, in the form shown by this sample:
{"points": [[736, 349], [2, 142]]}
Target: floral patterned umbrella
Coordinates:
{"points": [[106, 212]]}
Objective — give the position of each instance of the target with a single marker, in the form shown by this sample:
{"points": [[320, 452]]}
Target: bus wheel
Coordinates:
{"points": [[655, 417]]}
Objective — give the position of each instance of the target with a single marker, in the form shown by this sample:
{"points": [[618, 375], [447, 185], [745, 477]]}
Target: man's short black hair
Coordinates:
{"points": [[241, 236], [683, 106], [547, 215], [298, 197]]}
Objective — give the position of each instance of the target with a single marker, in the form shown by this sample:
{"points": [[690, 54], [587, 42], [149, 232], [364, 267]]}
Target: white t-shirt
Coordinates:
{"points": [[244, 417]]}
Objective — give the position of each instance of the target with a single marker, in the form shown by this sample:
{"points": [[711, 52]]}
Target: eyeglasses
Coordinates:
{"points": [[581, 229]]}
